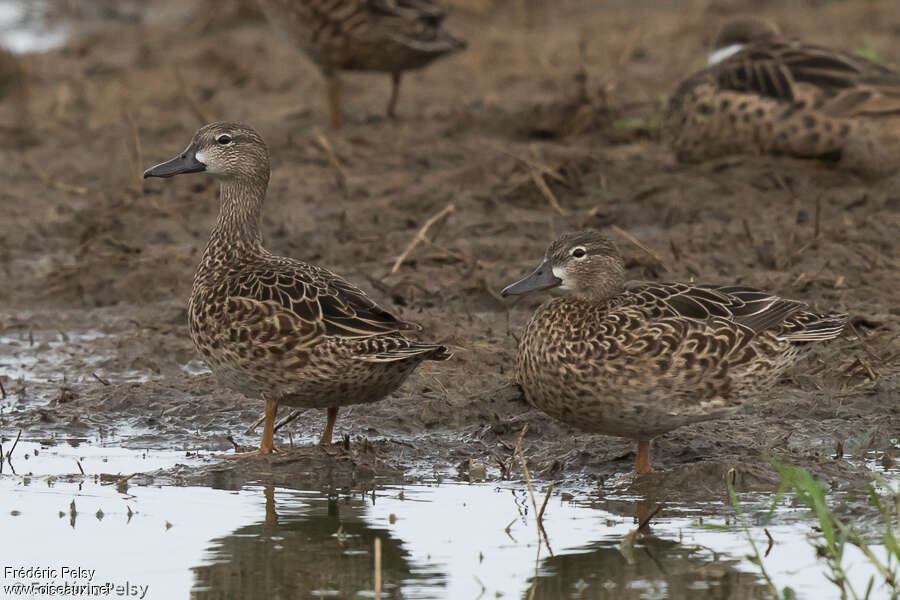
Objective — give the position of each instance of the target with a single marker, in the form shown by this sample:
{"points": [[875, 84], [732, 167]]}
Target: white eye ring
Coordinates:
{"points": [[579, 252], [224, 140]]}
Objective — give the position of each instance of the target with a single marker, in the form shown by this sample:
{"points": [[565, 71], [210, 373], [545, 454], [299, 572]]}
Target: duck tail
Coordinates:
{"points": [[813, 327]]}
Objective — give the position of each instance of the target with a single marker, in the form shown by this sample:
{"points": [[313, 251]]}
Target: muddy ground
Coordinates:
{"points": [[570, 95]]}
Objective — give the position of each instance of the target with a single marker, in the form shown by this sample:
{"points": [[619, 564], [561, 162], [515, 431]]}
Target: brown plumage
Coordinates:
{"points": [[763, 93], [391, 36], [279, 328], [639, 359]]}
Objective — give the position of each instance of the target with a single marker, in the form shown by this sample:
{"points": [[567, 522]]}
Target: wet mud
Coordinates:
{"points": [[548, 122]]}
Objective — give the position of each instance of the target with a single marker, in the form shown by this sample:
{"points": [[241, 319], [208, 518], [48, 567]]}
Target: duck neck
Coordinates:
{"points": [[237, 228]]}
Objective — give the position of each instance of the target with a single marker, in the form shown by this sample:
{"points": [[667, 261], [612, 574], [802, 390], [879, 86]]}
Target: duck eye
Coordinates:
{"points": [[223, 140], [579, 252]]}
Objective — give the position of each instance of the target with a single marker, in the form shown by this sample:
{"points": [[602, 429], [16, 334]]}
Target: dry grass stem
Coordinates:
{"points": [[542, 168], [652, 253], [256, 423], [377, 568], [57, 185], [420, 235], [292, 416], [340, 176], [538, 179], [540, 514], [11, 450], [192, 102], [542, 534]]}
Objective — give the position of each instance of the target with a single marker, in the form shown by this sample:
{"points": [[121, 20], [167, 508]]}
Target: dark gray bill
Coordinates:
{"points": [[186, 162], [541, 279]]}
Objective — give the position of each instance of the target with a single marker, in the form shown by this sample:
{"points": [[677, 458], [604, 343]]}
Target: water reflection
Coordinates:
{"points": [[660, 568], [445, 542], [322, 546]]}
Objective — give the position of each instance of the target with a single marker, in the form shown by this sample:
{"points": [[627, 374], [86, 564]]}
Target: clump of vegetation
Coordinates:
{"points": [[834, 534]]}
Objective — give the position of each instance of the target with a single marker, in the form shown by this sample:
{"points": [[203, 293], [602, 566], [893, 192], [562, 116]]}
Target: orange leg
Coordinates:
{"points": [[395, 92], [267, 445], [643, 457], [329, 427], [334, 99]]}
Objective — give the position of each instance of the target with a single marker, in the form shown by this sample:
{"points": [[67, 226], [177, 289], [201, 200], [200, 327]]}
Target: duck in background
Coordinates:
{"points": [[390, 36], [764, 93]]}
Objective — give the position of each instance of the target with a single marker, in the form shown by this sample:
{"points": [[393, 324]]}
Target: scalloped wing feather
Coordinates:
{"points": [[749, 307], [317, 296]]}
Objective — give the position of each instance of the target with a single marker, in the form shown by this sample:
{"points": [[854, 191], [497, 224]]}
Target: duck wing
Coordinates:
{"points": [[746, 306], [848, 85], [317, 296]]}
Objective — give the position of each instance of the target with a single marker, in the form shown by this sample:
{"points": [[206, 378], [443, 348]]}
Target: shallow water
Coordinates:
{"points": [[24, 27], [438, 540]]}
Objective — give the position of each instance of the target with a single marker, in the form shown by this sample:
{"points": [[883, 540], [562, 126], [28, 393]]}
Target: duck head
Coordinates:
{"points": [[226, 150], [584, 264]]}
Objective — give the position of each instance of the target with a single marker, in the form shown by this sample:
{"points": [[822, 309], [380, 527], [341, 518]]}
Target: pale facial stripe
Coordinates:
{"points": [[560, 274], [720, 54]]}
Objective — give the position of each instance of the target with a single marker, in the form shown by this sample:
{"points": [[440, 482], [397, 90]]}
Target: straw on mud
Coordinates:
{"points": [[123, 480], [641, 245], [100, 379], [80, 468], [255, 425], [192, 102], [533, 164], [138, 178], [378, 568], [59, 185], [288, 419], [2, 391], [11, 450], [340, 176], [538, 179], [420, 235]]}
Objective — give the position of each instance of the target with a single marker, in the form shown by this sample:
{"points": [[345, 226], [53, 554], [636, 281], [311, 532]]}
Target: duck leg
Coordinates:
{"points": [[334, 99], [329, 426], [643, 457], [395, 93], [267, 445]]}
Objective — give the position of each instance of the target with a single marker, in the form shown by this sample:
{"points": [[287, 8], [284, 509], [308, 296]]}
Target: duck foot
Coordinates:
{"points": [[257, 452]]}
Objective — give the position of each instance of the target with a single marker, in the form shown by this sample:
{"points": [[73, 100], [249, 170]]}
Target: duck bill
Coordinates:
{"points": [[542, 279], [186, 162]]}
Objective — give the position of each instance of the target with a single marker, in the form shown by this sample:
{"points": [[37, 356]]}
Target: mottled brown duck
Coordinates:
{"points": [[390, 36], [638, 359], [279, 328], [764, 93]]}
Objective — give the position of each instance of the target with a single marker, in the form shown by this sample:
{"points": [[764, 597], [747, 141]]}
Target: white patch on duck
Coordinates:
{"points": [[561, 275], [200, 157], [720, 54]]}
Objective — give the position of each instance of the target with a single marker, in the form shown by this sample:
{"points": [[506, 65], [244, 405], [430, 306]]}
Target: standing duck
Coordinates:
{"points": [[391, 36], [763, 93], [279, 328], [636, 360]]}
